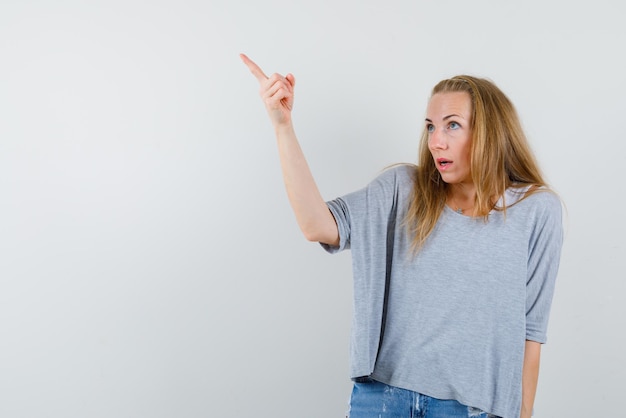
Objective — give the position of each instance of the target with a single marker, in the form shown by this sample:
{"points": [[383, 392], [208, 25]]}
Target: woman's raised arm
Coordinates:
{"points": [[312, 214]]}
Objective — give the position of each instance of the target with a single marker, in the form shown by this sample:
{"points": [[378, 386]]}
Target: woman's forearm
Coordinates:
{"points": [[530, 376], [312, 214]]}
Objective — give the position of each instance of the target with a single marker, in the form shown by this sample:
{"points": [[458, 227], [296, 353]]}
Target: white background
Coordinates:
{"points": [[150, 265]]}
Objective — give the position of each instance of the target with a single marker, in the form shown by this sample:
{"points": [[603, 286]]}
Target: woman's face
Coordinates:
{"points": [[448, 121]]}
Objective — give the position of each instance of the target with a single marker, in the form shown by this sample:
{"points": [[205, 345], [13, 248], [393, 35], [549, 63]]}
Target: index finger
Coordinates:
{"points": [[254, 69]]}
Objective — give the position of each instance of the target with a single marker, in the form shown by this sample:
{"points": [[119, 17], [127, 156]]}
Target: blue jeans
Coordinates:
{"points": [[372, 399]]}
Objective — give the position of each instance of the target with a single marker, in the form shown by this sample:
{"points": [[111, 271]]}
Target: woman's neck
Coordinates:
{"points": [[461, 198]]}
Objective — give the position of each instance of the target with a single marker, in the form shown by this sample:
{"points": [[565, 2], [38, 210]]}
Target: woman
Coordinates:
{"points": [[454, 260]]}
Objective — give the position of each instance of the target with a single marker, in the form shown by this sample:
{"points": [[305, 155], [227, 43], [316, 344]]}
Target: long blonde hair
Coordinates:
{"points": [[500, 157]]}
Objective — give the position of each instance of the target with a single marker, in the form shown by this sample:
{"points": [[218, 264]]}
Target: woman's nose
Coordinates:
{"points": [[437, 140]]}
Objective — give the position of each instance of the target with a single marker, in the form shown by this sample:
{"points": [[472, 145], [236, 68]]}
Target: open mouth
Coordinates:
{"points": [[442, 162]]}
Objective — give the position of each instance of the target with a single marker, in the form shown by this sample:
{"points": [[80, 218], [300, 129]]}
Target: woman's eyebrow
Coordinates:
{"points": [[446, 117]]}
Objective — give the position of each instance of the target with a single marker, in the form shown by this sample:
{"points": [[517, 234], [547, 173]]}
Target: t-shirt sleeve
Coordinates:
{"points": [[341, 213], [543, 264], [360, 214]]}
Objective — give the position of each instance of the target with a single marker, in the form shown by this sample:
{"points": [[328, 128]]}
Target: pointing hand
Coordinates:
{"points": [[276, 92]]}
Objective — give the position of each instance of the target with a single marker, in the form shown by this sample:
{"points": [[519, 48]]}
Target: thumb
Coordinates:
{"points": [[291, 79]]}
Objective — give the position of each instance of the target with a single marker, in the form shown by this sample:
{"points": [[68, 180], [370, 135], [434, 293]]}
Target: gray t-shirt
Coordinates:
{"points": [[459, 311]]}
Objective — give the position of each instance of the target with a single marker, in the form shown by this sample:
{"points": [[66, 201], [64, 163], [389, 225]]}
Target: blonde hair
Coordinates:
{"points": [[500, 157]]}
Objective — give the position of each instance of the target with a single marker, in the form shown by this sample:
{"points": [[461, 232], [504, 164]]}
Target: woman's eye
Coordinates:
{"points": [[454, 125], [430, 128]]}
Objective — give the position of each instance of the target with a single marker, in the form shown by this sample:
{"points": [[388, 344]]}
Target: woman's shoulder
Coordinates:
{"points": [[401, 173], [394, 180], [539, 197]]}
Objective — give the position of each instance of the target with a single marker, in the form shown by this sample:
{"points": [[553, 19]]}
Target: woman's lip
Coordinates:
{"points": [[441, 166]]}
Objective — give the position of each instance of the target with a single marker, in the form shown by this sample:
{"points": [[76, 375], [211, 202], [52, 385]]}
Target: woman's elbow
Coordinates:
{"points": [[324, 237]]}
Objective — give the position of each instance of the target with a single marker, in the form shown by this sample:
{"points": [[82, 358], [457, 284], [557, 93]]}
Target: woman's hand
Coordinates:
{"points": [[276, 92]]}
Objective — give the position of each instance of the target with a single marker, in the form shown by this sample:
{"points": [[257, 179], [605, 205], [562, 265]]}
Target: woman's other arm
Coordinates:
{"points": [[313, 216], [530, 375]]}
